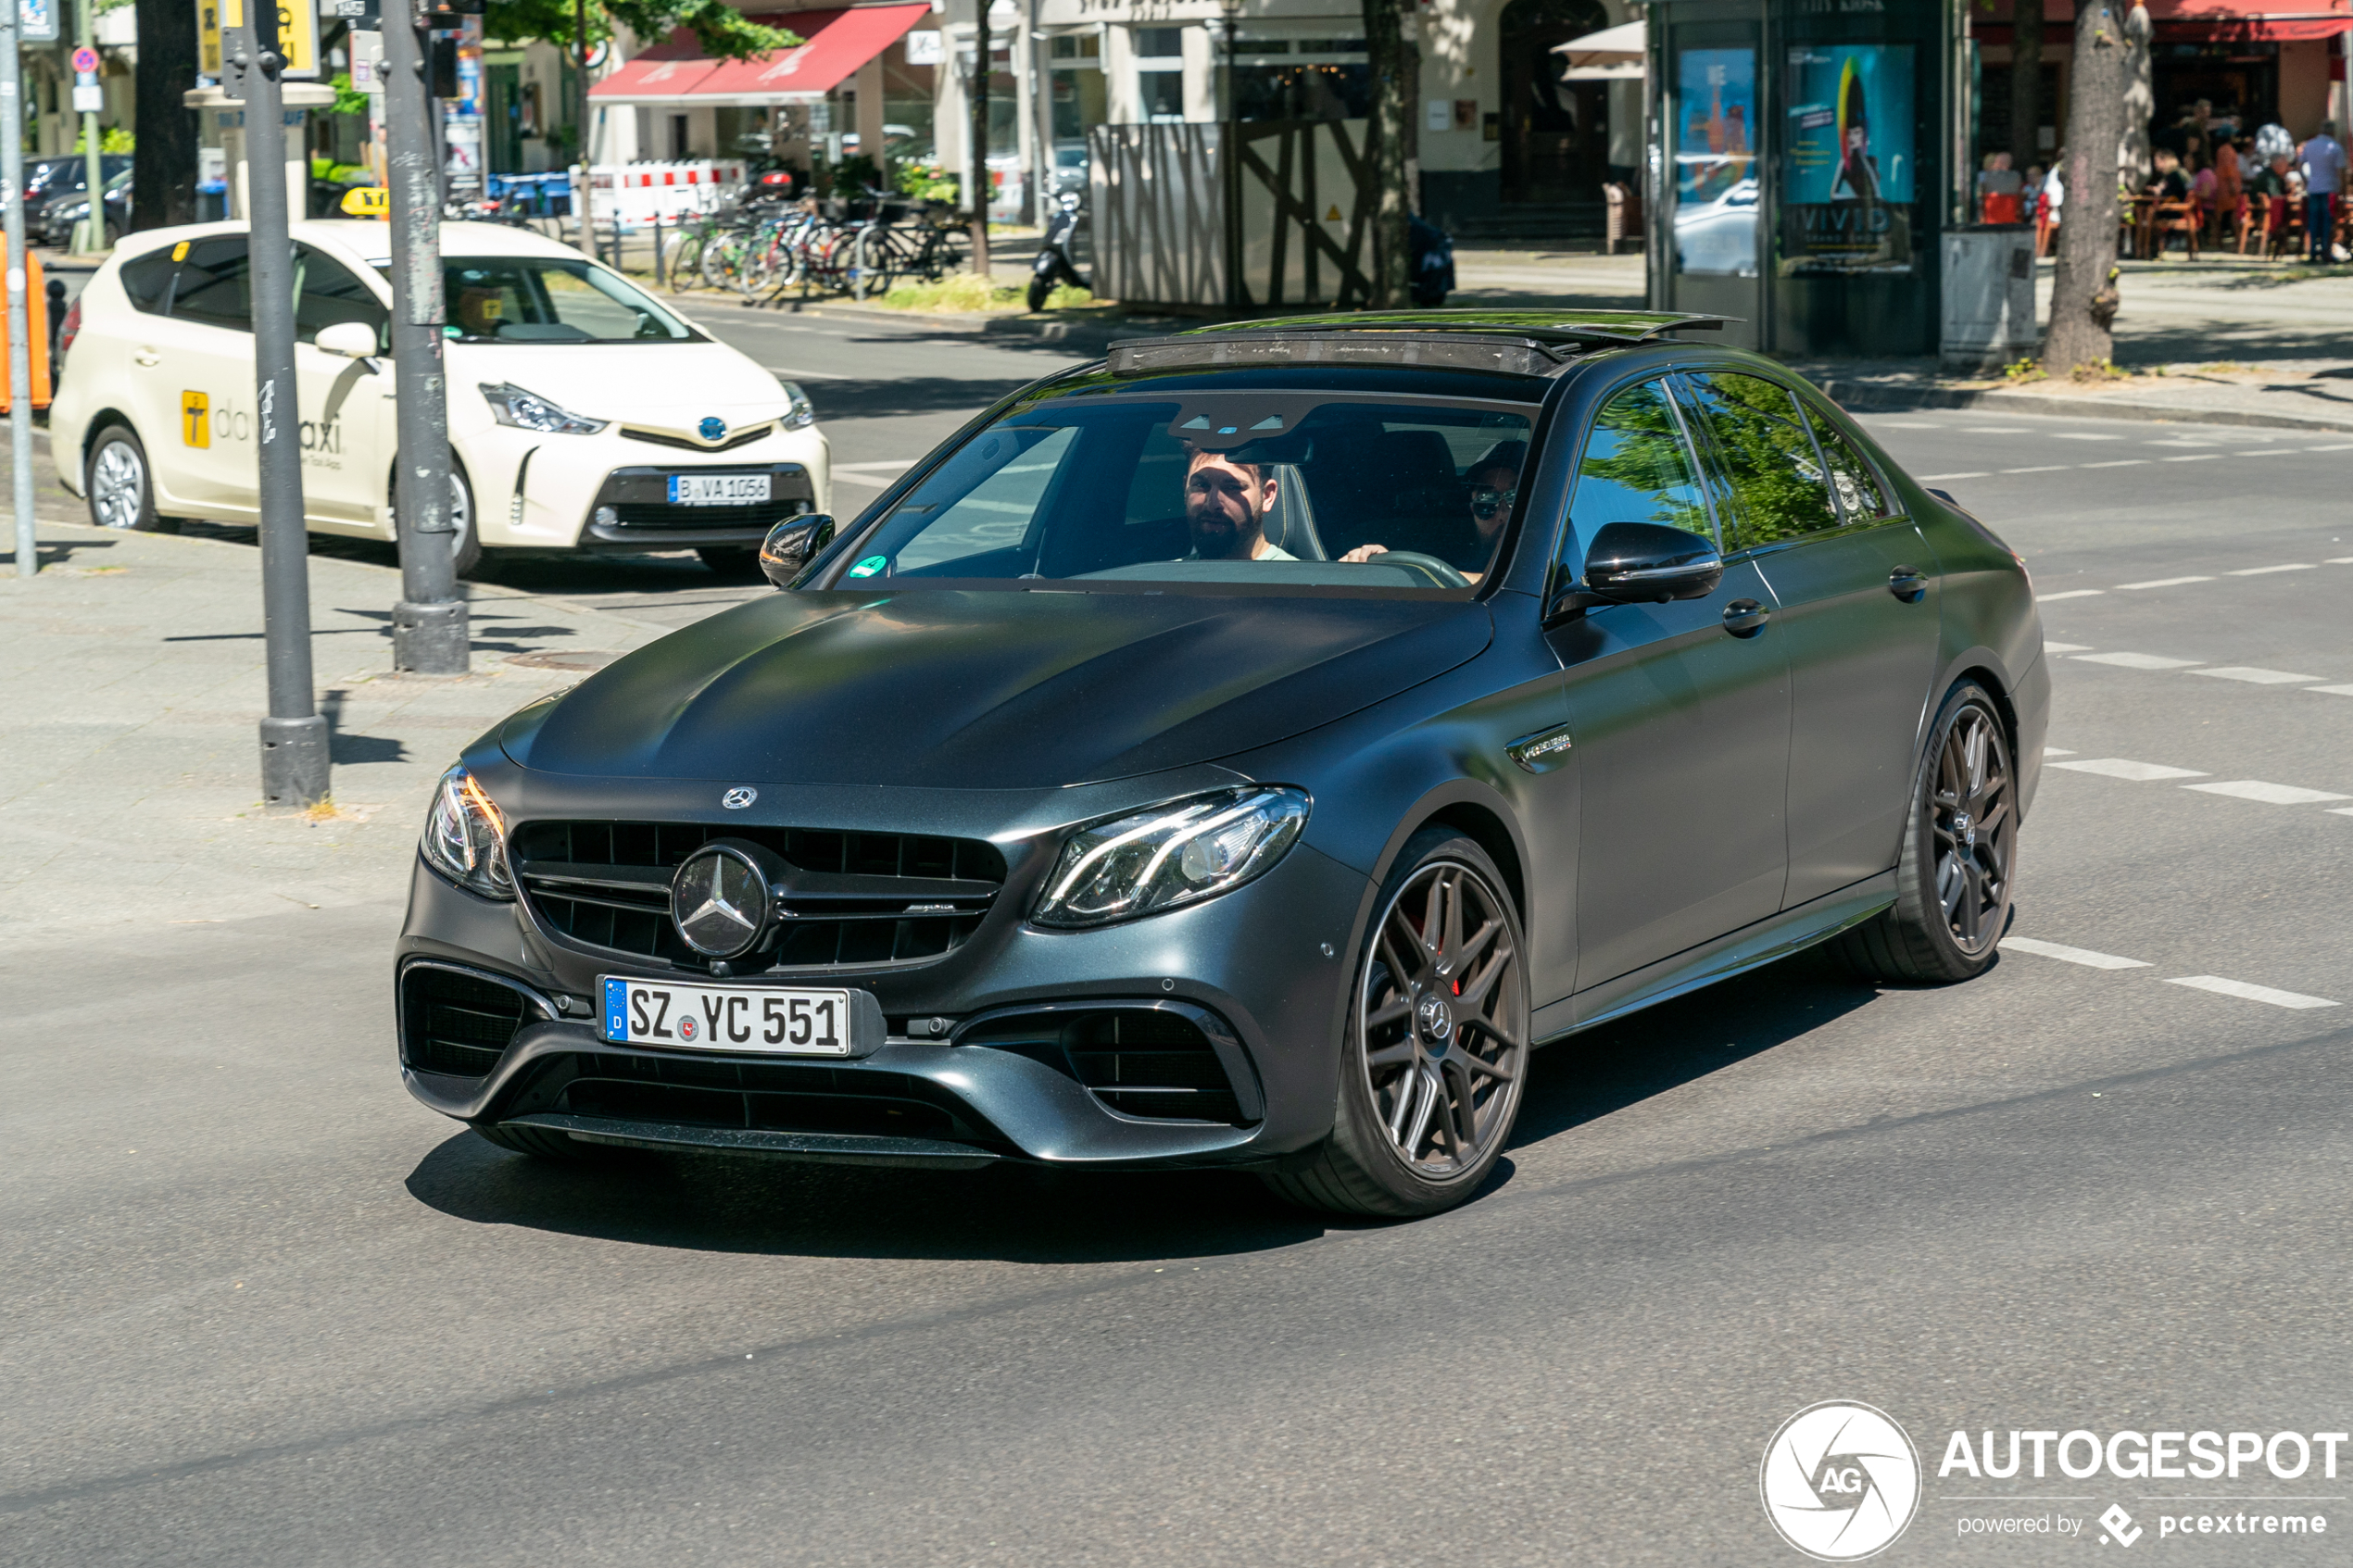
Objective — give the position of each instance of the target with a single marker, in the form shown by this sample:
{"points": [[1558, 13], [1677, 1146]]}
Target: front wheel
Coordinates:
{"points": [[1041, 287], [1954, 877], [1437, 1045]]}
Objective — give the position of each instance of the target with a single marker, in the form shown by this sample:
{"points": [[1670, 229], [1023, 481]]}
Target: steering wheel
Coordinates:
{"points": [[1437, 572]]}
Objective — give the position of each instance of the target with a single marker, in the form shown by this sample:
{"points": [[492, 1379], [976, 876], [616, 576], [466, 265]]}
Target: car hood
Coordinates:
{"points": [[662, 385], [946, 689]]}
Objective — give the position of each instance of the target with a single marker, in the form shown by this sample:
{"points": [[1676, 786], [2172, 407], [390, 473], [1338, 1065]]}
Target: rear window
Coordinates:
{"points": [[147, 280]]}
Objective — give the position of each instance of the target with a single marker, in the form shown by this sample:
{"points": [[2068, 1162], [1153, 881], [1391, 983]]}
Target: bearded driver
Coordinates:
{"points": [[1226, 505]]}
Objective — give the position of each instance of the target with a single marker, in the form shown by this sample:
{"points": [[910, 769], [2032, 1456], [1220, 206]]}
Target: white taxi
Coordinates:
{"points": [[582, 413]]}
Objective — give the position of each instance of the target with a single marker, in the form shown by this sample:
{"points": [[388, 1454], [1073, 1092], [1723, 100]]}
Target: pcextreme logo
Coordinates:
{"points": [[1840, 1481]]}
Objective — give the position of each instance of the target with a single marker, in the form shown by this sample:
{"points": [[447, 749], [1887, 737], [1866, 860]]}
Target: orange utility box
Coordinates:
{"points": [[37, 307]]}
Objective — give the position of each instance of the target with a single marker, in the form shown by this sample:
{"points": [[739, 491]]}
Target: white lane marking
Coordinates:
{"points": [[2341, 560], [2056, 751], [2046, 468], [2135, 660], [2066, 647], [1932, 477], [1993, 430], [2341, 810], [2333, 691], [2222, 987], [2267, 571], [2340, 447], [1907, 424], [2066, 953], [2121, 463], [2165, 582], [2254, 677], [2125, 768], [2276, 452], [2197, 458], [2082, 435], [2269, 794], [2071, 594]]}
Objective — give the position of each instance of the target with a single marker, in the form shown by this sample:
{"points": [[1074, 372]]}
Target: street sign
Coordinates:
{"points": [[85, 61], [208, 38], [37, 21], [298, 37]]}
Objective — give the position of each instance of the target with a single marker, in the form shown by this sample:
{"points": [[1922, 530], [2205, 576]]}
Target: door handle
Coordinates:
{"points": [[147, 357], [1745, 618], [1907, 585]]}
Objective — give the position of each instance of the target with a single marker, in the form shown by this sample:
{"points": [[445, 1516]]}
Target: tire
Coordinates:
{"points": [[685, 261], [118, 485], [872, 266], [734, 565], [1958, 863], [1411, 1134], [465, 545], [546, 1143], [1040, 290]]}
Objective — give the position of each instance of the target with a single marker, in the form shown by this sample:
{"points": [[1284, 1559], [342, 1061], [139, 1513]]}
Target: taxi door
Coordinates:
{"points": [[346, 403], [193, 380]]}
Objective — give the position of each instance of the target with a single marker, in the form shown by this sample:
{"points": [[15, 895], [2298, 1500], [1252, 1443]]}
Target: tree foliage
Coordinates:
{"points": [[721, 31]]}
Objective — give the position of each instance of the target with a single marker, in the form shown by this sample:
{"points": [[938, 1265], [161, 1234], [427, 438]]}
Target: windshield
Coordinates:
{"points": [[546, 299], [1308, 489]]}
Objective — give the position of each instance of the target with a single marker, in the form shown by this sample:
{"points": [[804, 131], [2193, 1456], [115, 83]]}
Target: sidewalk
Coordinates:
{"points": [[130, 766]]}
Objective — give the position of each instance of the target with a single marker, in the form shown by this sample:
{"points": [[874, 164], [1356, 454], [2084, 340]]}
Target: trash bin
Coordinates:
{"points": [[1989, 299]]}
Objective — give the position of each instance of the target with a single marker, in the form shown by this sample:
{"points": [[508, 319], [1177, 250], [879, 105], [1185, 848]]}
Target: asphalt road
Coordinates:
{"points": [[266, 1311]]}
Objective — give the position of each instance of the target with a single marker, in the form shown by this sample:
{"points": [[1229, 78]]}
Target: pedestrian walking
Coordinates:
{"points": [[2321, 160]]}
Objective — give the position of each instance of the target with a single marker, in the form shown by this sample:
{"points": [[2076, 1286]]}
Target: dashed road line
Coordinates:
{"points": [[2125, 768], [1932, 478], [2046, 468], [2222, 987], [2197, 458], [2056, 751], [2071, 594], [2082, 435], [2333, 691], [2269, 794], [2118, 463], [2253, 676], [2066, 648], [2164, 582], [2267, 571], [2066, 953], [2136, 661]]}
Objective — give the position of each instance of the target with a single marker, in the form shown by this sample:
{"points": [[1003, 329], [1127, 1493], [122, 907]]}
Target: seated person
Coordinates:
{"points": [[1225, 504], [1493, 481]]}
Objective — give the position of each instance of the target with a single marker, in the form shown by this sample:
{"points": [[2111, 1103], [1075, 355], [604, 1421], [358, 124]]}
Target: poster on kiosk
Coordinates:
{"points": [[1849, 185]]}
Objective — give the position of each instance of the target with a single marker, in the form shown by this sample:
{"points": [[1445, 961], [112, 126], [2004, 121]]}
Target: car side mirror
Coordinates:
{"points": [[348, 340], [1642, 563], [791, 544]]}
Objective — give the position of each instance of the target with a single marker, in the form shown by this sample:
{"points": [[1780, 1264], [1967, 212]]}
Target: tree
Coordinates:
{"points": [[721, 31], [1394, 57], [978, 184], [2083, 293], [163, 165], [2026, 82]]}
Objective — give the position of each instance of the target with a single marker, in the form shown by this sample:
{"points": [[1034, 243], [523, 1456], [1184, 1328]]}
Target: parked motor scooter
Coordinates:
{"points": [[1053, 264]]}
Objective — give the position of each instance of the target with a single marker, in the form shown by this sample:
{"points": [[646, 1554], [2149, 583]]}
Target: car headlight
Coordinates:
{"points": [[800, 415], [1174, 854], [528, 410], [466, 838]]}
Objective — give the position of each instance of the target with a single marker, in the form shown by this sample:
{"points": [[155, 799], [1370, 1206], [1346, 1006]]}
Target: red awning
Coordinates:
{"points": [[2202, 21], [838, 43]]}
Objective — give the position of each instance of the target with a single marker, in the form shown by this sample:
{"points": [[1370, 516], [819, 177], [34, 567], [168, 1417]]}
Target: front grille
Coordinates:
{"points": [[661, 514], [1148, 1062], [607, 885], [741, 438], [767, 1096], [459, 1022]]}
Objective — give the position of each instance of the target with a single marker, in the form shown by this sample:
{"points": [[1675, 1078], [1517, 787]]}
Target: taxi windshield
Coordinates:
{"points": [[547, 299], [1260, 487]]}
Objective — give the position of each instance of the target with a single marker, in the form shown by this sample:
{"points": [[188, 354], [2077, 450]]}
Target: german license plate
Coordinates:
{"points": [[754, 1020], [719, 489]]}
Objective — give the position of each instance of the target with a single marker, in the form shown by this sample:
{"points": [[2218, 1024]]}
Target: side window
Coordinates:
{"points": [[1637, 468], [1765, 457], [147, 280], [216, 284], [1860, 493], [328, 293], [1001, 486]]}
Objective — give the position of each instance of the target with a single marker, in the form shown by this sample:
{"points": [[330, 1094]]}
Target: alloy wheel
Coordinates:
{"points": [[1973, 829], [1443, 1020], [118, 485]]}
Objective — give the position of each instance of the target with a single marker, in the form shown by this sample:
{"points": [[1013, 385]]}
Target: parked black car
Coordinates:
{"points": [[50, 179], [1244, 750], [61, 215]]}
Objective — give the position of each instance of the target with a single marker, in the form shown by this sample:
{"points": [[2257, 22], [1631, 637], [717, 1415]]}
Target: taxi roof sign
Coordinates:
{"points": [[368, 201]]}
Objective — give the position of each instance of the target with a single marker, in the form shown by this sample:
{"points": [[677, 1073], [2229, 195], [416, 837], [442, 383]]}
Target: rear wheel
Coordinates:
{"points": [[1953, 880], [1040, 289], [1437, 1047], [117, 485]]}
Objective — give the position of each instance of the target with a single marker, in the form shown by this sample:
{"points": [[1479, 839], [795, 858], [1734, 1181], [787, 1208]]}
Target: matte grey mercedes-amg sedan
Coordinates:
{"points": [[1244, 751]]}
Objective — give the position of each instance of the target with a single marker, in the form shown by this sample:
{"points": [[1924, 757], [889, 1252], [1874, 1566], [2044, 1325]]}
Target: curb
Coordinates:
{"points": [[1872, 396]]}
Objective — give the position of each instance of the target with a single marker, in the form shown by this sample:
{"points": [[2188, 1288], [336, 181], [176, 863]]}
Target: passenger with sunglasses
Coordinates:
{"points": [[1493, 482]]}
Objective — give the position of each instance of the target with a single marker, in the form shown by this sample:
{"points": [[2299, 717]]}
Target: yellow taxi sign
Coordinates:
{"points": [[195, 419], [368, 201]]}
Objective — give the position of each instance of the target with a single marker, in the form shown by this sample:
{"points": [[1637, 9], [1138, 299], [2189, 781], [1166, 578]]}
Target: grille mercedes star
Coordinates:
{"points": [[847, 897]]}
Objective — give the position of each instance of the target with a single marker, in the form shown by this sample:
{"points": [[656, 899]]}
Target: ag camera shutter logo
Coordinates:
{"points": [[1840, 1481]]}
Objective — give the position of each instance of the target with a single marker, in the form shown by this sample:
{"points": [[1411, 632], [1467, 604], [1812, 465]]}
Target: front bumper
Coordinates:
{"points": [[1251, 964], [542, 490]]}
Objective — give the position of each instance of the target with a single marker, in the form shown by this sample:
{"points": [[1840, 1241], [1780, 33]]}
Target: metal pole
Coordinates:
{"points": [[86, 34], [583, 200], [429, 624], [293, 737], [19, 307]]}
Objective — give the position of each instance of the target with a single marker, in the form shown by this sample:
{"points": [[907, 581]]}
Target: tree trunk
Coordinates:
{"points": [[163, 169], [1393, 59], [2083, 296], [979, 194], [2026, 82], [2133, 157]]}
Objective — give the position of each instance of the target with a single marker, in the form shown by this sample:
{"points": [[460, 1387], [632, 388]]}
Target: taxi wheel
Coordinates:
{"points": [[465, 544], [117, 485]]}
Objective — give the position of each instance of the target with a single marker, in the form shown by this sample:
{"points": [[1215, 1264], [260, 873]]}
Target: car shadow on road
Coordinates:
{"points": [[1011, 1213]]}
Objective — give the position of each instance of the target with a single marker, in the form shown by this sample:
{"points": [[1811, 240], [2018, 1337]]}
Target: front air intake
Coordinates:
{"points": [[460, 1021]]}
